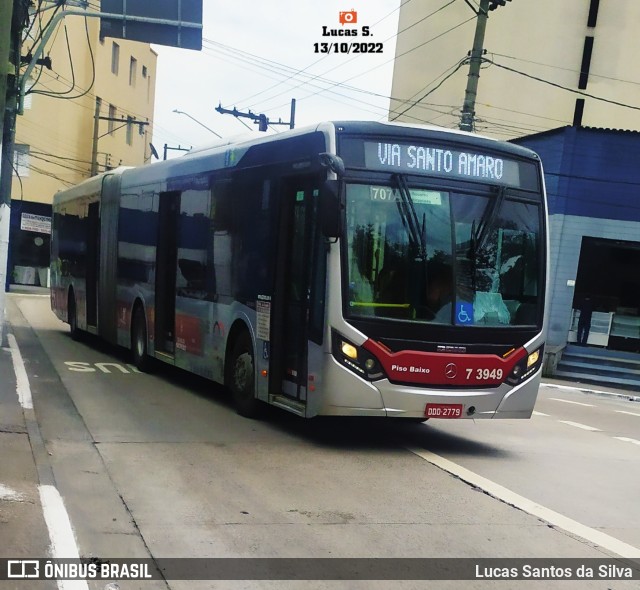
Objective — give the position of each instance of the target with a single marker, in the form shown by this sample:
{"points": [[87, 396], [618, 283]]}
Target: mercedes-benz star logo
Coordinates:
{"points": [[450, 371]]}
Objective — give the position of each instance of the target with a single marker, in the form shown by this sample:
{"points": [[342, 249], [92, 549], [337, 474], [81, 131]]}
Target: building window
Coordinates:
{"points": [[112, 116], [133, 67], [129, 131], [144, 71], [115, 57], [21, 160]]}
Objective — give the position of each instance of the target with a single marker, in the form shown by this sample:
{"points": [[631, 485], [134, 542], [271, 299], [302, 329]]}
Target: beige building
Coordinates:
{"points": [[548, 63], [93, 110]]}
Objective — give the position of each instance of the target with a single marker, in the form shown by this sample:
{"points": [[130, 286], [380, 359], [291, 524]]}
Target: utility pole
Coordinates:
{"points": [[262, 119], [94, 143], [9, 49], [96, 129], [467, 120], [475, 61]]}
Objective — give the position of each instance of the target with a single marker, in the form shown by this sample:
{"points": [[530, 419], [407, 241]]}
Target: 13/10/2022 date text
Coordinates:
{"points": [[347, 47]]}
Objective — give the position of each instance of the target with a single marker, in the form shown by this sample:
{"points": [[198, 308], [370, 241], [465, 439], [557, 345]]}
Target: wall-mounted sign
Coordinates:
{"points": [[37, 223]]}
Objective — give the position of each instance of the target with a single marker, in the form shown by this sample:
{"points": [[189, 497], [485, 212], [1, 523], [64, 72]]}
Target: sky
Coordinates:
{"points": [[259, 54]]}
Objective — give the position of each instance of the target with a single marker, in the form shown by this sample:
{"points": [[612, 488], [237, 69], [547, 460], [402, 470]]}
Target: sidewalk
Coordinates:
{"points": [[22, 527], [592, 389]]}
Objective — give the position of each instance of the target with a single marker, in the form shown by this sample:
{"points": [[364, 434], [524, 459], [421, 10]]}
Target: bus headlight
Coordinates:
{"points": [[356, 358], [526, 367]]}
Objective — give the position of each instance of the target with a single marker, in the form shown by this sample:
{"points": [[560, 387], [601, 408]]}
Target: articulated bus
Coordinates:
{"points": [[351, 268]]}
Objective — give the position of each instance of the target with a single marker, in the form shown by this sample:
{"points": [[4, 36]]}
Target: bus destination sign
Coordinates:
{"points": [[438, 161]]}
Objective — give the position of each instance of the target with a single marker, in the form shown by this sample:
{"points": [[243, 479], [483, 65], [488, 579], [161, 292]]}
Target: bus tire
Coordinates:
{"points": [[141, 359], [72, 316], [241, 377]]}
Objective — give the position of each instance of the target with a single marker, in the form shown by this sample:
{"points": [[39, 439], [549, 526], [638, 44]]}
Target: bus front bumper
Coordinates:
{"points": [[349, 395]]}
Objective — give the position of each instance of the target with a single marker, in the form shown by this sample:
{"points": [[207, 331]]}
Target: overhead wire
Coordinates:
{"points": [[560, 86], [393, 59], [395, 35], [572, 70], [84, 92], [333, 83], [402, 4], [431, 91]]}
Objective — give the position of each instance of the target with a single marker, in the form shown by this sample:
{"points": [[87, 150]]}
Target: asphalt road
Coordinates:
{"points": [[159, 465]]}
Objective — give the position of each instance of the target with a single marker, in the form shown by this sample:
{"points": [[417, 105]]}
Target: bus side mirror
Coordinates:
{"points": [[330, 218]]}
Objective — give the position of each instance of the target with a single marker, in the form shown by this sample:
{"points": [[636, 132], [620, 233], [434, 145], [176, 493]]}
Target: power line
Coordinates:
{"points": [[574, 71], [333, 83], [556, 85], [413, 104], [402, 4]]}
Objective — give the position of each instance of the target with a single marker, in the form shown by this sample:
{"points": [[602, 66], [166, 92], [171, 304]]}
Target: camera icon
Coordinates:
{"points": [[348, 17]]}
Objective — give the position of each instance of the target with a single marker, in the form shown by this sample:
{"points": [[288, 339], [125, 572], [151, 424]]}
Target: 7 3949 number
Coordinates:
{"points": [[485, 374]]}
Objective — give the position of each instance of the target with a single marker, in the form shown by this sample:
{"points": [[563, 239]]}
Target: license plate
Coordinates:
{"points": [[443, 411]]}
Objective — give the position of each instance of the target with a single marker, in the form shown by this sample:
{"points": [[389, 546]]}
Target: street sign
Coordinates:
{"points": [[177, 23]]}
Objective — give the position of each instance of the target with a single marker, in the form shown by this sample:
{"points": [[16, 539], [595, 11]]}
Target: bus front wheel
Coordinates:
{"points": [[72, 316], [241, 377], [139, 340]]}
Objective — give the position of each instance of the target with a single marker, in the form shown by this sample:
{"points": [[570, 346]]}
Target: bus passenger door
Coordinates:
{"points": [[166, 261], [293, 297]]}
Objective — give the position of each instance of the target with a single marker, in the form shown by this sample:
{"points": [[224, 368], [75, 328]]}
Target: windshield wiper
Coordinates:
{"points": [[479, 237], [407, 209]]}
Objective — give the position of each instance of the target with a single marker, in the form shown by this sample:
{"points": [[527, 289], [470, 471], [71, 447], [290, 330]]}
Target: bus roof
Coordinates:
{"points": [[203, 159], [90, 186]]}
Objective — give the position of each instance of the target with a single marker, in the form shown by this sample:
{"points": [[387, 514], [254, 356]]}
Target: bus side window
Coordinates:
{"points": [[194, 261], [221, 205], [219, 244]]}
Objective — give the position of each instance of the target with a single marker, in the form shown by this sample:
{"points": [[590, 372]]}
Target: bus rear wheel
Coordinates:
{"points": [[141, 359], [241, 377]]}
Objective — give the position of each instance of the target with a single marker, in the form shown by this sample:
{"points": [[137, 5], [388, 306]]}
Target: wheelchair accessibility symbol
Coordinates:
{"points": [[464, 312]]}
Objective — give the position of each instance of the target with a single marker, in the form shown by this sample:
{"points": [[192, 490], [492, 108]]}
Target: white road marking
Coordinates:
{"points": [[582, 426], [63, 541], [539, 413], [553, 518], [630, 413], [7, 493], [625, 439], [22, 381], [566, 401], [584, 389]]}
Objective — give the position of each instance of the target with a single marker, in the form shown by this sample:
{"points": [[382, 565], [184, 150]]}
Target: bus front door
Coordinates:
{"points": [[294, 269]]}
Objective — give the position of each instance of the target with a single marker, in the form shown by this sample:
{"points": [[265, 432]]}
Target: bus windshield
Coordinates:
{"points": [[442, 257]]}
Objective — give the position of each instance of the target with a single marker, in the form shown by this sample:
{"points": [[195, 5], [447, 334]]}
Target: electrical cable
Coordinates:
{"points": [[333, 83], [402, 4], [574, 71], [62, 95], [457, 67], [556, 85]]}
